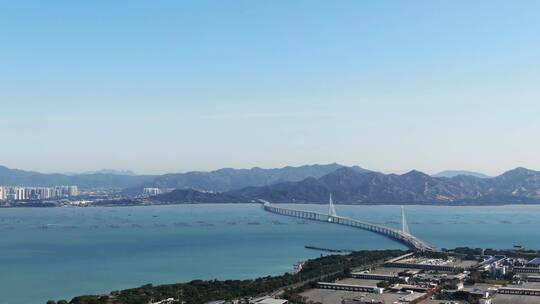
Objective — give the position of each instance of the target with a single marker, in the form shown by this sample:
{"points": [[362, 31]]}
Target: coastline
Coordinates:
{"points": [[168, 230], [455, 204]]}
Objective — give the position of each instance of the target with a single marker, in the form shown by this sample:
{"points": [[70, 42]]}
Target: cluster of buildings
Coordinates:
{"points": [[252, 300], [423, 280], [12, 193], [151, 191], [417, 279]]}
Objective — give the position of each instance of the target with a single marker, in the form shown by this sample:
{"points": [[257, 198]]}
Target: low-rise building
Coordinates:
{"points": [[534, 262]]}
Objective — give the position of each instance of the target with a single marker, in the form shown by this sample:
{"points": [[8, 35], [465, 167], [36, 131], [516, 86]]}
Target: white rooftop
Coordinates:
{"points": [[272, 301]]}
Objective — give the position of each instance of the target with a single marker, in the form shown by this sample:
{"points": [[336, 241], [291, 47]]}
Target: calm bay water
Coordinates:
{"points": [[55, 253]]}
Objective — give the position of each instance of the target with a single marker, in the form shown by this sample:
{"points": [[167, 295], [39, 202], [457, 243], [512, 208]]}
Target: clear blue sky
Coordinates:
{"points": [[168, 86]]}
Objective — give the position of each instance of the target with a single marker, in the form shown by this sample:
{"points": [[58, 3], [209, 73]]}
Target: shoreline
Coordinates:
{"points": [[37, 206]]}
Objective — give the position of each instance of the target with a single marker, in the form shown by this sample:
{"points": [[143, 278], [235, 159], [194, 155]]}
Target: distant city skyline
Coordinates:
{"points": [[201, 85]]}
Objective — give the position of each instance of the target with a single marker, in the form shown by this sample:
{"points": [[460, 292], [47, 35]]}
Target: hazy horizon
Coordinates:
{"points": [[201, 85], [128, 171]]}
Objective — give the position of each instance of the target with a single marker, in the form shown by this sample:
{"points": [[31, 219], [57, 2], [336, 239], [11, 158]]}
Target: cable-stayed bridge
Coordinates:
{"points": [[403, 236]]}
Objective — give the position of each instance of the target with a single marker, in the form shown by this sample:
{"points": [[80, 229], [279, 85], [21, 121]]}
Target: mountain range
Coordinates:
{"points": [[353, 186], [453, 173], [231, 179], [214, 181], [310, 183], [16, 177], [103, 171]]}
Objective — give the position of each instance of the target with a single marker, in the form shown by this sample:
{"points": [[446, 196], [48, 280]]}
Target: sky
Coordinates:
{"points": [[172, 86]]}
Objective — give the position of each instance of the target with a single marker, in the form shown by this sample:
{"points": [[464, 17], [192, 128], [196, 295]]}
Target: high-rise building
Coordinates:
{"points": [[37, 193], [151, 191], [73, 191], [20, 194], [45, 193]]}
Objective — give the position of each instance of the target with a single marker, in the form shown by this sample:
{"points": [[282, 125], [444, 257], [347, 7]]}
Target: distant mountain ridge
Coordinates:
{"points": [[230, 179], [106, 171], [454, 173], [348, 185], [310, 183], [214, 181], [16, 177]]}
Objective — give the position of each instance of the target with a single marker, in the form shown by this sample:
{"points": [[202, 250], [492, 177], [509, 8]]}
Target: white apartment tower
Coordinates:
{"points": [[73, 191], [3, 194], [20, 194]]}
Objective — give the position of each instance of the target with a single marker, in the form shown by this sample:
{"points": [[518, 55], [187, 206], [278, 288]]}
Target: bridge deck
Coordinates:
{"points": [[405, 238]]}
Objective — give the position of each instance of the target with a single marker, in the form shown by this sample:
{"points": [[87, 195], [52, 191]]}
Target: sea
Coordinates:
{"points": [[59, 253]]}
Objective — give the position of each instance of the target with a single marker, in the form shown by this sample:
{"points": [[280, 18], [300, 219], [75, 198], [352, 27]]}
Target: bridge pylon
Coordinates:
{"points": [[404, 226], [331, 207]]}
